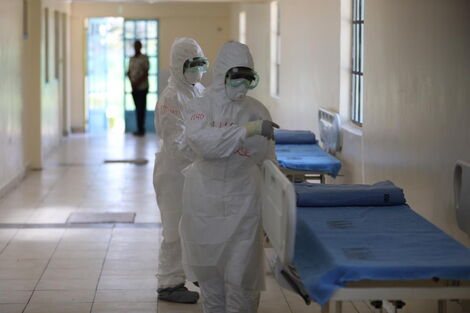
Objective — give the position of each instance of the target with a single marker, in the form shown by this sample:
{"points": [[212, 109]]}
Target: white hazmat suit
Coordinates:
{"points": [[220, 225], [168, 180]]}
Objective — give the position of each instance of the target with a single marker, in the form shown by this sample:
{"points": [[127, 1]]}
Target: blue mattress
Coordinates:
{"points": [[299, 137], [337, 245], [307, 158]]}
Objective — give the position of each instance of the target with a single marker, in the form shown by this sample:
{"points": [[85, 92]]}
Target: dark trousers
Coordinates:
{"points": [[140, 101]]}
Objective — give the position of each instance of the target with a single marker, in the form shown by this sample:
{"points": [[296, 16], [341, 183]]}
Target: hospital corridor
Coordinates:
{"points": [[234, 156]]}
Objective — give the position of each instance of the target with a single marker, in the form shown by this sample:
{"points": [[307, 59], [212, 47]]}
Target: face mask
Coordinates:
{"points": [[236, 93], [193, 77]]}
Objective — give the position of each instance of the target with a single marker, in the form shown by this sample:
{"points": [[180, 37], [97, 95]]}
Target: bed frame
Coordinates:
{"points": [[302, 176], [279, 222]]}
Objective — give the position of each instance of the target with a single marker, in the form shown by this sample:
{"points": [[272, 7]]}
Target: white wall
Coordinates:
{"points": [[309, 45], [11, 101], [417, 95], [44, 103], [206, 23], [51, 105], [417, 99]]}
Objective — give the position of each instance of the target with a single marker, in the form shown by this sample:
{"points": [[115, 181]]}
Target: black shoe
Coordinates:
{"points": [[138, 134], [178, 294]]}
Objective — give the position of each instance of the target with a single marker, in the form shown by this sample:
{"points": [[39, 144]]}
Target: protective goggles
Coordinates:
{"points": [[238, 76], [197, 64]]}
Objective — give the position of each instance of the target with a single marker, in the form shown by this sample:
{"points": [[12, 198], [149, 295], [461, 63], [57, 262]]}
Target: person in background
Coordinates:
{"points": [[230, 134], [138, 74], [187, 65]]}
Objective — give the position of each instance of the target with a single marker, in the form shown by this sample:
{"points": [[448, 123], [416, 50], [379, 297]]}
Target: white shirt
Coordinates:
{"points": [[139, 66]]}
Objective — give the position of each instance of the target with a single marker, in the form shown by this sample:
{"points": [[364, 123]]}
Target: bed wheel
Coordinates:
{"points": [[332, 307], [398, 304], [377, 304], [442, 306]]}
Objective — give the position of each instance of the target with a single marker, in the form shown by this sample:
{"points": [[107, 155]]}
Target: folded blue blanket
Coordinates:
{"points": [[324, 195], [299, 137]]}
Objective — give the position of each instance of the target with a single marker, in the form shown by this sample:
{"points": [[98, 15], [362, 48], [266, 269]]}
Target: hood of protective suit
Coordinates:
{"points": [[182, 50], [232, 54]]}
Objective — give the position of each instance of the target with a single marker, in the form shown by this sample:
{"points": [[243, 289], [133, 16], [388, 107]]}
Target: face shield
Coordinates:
{"points": [[197, 64], [241, 76], [194, 68]]}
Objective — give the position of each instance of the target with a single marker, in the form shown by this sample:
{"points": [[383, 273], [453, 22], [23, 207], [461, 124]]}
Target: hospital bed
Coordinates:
{"points": [[300, 157], [383, 253]]}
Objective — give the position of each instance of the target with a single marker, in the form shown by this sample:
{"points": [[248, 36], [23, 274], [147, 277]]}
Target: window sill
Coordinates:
{"points": [[352, 128]]}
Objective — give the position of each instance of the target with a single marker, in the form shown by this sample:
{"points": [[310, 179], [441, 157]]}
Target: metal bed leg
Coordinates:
{"points": [[442, 306], [339, 307], [332, 307]]}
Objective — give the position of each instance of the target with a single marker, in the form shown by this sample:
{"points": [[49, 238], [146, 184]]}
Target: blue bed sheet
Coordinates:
{"points": [[332, 195], [337, 245], [307, 158], [285, 137]]}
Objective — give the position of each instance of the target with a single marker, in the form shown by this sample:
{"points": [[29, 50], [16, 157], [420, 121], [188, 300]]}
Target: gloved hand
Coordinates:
{"points": [[264, 128]]}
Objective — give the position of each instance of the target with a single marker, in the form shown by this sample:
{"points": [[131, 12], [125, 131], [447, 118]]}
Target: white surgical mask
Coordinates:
{"points": [[236, 93], [193, 77]]}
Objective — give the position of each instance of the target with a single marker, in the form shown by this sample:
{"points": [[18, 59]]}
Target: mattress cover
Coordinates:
{"points": [[307, 158], [337, 245]]}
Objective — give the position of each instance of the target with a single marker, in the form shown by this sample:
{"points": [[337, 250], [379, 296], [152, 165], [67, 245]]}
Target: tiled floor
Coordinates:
{"points": [[47, 266]]}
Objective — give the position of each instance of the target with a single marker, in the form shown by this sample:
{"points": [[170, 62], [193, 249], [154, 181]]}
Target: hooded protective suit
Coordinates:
{"points": [[220, 225], [168, 180]]}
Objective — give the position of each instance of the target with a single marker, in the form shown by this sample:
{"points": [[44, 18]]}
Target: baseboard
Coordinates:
{"points": [[12, 183], [78, 130]]}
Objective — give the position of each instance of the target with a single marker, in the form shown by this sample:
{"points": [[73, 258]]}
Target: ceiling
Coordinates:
{"points": [[173, 1]]}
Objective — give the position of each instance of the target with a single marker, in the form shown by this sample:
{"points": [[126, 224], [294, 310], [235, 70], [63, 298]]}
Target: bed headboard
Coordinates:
{"points": [[330, 130], [278, 211]]}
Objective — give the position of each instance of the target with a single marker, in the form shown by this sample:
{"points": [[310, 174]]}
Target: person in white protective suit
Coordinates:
{"points": [[230, 134], [187, 65]]}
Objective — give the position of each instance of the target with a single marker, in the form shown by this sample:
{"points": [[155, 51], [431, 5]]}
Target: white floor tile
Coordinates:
{"points": [[68, 284], [12, 308], [123, 307], [17, 284], [80, 254], [12, 297], [167, 307], [139, 295], [87, 235], [62, 296], [21, 269], [28, 250], [7, 234], [128, 282], [69, 307], [73, 263]]}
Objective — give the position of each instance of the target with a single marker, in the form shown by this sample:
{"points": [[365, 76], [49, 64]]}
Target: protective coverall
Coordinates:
{"points": [[168, 180], [220, 225]]}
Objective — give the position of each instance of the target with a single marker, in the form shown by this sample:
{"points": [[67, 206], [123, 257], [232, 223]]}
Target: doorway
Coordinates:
{"points": [[109, 103], [147, 32]]}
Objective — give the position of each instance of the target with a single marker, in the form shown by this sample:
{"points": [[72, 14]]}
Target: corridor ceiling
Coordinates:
{"points": [[174, 1]]}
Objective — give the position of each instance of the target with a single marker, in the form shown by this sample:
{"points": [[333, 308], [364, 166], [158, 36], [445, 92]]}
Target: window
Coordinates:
{"points": [[242, 27], [56, 44], [357, 88], [275, 48], [46, 44], [25, 19], [147, 32]]}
